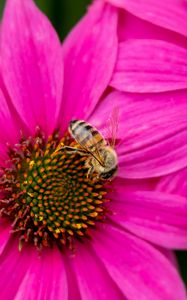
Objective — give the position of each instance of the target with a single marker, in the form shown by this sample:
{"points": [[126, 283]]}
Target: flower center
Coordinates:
{"points": [[47, 194]]}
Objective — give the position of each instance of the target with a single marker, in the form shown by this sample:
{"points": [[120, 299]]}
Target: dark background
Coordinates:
{"points": [[63, 15]]}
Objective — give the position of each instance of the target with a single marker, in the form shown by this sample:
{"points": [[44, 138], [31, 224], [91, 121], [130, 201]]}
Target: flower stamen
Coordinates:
{"points": [[46, 193]]}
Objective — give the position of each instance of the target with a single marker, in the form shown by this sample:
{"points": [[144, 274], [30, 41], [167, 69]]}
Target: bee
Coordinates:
{"points": [[101, 155]]}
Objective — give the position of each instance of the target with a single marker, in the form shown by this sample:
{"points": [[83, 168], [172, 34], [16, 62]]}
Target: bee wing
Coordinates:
{"points": [[95, 152], [111, 129], [97, 156]]}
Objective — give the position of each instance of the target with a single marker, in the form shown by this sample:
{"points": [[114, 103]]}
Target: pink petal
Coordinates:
{"points": [[45, 278], [131, 185], [170, 255], [31, 63], [132, 27], [140, 271], [171, 14], [89, 54], [157, 217], [11, 130], [93, 279], [174, 183], [10, 133], [5, 229], [152, 129], [73, 288], [13, 266], [162, 158], [150, 66]]}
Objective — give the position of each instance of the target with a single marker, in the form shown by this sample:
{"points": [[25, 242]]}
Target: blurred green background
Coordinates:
{"points": [[63, 15]]}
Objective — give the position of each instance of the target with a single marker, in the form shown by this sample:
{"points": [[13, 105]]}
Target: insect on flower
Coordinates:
{"points": [[101, 155]]}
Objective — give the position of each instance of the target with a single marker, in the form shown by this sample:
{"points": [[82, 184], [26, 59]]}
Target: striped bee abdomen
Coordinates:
{"points": [[86, 135]]}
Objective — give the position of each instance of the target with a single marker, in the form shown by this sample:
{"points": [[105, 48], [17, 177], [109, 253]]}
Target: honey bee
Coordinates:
{"points": [[101, 156]]}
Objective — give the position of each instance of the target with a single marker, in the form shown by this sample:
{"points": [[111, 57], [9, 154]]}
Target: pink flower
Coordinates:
{"points": [[114, 252]]}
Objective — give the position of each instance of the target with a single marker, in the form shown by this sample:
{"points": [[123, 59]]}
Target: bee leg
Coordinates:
{"points": [[90, 167], [90, 171], [72, 149]]}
